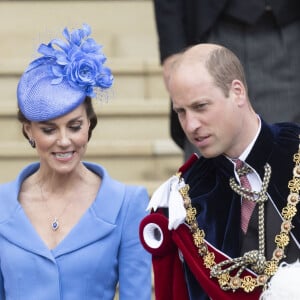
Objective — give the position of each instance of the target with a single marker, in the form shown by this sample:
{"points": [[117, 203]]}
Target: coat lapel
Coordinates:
{"points": [[98, 221]]}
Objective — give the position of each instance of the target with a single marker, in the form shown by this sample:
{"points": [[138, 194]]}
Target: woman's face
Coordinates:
{"points": [[61, 143]]}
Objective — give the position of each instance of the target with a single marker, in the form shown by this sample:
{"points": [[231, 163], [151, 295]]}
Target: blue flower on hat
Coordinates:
{"points": [[79, 60]]}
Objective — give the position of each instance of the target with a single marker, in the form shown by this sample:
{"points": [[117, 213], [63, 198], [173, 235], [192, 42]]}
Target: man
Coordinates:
{"points": [[264, 34], [246, 215]]}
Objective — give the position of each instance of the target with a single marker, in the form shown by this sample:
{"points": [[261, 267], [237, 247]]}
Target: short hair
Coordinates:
{"points": [[89, 111], [224, 67]]}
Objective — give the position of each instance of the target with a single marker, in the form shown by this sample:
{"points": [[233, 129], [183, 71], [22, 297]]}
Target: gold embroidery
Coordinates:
{"points": [[265, 269]]}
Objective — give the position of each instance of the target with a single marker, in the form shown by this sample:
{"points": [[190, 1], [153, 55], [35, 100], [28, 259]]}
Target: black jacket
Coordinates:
{"points": [[182, 23]]}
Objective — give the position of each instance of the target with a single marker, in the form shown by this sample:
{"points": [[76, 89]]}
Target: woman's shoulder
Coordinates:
{"points": [[122, 193], [9, 191], [8, 199], [107, 179]]}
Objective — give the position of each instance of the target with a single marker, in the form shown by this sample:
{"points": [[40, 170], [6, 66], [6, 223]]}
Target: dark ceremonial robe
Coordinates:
{"points": [[218, 206]]}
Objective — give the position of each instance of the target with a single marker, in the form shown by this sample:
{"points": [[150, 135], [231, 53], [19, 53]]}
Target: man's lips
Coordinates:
{"points": [[201, 141]]}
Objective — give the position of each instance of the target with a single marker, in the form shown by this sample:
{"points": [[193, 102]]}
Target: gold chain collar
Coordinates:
{"points": [[248, 283]]}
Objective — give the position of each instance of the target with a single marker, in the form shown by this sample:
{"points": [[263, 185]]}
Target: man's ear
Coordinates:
{"points": [[238, 91]]}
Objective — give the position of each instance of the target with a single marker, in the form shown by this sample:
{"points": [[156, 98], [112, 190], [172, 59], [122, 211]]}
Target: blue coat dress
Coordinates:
{"points": [[101, 251]]}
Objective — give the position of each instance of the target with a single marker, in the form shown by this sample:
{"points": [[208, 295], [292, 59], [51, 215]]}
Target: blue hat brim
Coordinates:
{"points": [[41, 100]]}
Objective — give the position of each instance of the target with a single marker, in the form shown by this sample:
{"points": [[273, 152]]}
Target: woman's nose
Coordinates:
{"points": [[63, 139]]}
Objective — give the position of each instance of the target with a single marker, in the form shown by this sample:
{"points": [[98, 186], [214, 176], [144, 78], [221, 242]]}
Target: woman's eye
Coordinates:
{"points": [[75, 127], [48, 130]]}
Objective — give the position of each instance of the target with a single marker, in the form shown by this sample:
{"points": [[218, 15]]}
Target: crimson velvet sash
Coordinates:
{"points": [[169, 280]]}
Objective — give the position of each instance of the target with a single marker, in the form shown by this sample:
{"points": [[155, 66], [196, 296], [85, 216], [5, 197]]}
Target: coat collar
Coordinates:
{"points": [[258, 156], [97, 222]]}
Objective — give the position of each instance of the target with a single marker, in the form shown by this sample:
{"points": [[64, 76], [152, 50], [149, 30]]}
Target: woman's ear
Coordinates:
{"points": [[28, 134], [27, 130]]}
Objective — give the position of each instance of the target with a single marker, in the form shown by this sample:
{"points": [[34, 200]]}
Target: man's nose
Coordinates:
{"points": [[192, 122]]}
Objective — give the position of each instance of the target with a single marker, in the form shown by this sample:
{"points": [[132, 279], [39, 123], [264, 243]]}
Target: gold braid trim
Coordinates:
{"points": [[247, 283]]}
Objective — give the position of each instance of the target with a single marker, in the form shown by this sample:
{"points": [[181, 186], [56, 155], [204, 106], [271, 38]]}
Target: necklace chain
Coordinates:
{"points": [[55, 224], [254, 259]]}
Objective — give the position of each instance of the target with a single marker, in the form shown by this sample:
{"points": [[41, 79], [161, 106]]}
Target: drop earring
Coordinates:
{"points": [[32, 143]]}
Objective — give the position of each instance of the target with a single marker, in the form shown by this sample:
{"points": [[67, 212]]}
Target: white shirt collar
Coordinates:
{"points": [[246, 152]]}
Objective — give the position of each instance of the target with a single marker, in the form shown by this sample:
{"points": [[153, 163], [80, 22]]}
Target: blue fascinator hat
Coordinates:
{"points": [[59, 81]]}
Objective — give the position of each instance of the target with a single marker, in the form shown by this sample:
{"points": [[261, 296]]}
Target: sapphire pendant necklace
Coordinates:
{"points": [[55, 224]]}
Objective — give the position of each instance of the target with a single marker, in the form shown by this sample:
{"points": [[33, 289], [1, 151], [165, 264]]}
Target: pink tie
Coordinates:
{"points": [[247, 205]]}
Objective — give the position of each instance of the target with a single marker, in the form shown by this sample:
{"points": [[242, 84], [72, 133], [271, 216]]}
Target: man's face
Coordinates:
{"points": [[210, 120]]}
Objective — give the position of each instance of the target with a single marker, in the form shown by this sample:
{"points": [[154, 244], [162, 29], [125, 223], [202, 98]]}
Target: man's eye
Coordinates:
{"points": [[201, 106], [179, 111]]}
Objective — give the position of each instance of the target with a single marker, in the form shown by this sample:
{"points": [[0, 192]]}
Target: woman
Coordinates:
{"points": [[67, 230]]}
